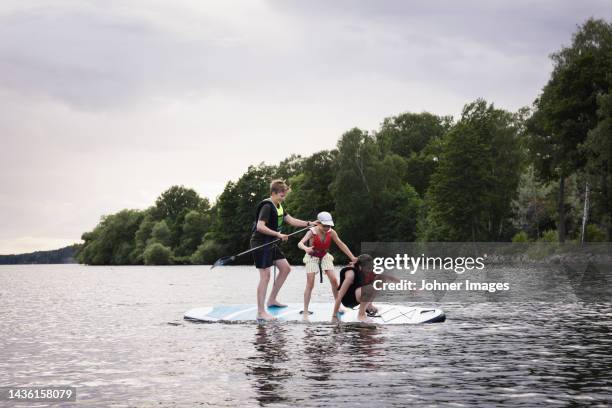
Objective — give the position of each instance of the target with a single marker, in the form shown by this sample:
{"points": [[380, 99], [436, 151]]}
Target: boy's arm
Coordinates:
{"points": [[343, 246], [349, 277], [388, 278], [297, 223], [302, 244], [261, 227]]}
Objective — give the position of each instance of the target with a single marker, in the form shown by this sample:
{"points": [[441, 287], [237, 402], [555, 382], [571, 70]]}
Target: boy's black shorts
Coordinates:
{"points": [[265, 257], [349, 299]]}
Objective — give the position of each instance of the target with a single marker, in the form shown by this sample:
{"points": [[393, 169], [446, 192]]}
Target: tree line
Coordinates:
{"points": [[542, 173], [56, 256]]}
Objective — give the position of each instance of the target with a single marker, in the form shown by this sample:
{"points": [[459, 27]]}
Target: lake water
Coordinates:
{"points": [[117, 335]]}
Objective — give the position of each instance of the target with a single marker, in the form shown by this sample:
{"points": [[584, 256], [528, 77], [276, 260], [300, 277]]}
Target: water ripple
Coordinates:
{"points": [[117, 335]]}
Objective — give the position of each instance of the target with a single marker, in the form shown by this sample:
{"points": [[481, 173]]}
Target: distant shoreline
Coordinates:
{"points": [[63, 255]]}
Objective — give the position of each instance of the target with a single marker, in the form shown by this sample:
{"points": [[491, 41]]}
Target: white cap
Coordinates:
{"points": [[325, 218]]}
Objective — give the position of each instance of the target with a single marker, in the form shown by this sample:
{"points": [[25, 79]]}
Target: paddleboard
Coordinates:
{"points": [[387, 314]]}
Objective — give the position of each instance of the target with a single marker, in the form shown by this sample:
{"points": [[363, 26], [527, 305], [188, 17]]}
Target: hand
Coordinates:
{"points": [[309, 250], [353, 261], [314, 223], [335, 319], [282, 236]]}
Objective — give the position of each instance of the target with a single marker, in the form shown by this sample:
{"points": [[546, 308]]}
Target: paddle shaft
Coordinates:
{"points": [[271, 242]]}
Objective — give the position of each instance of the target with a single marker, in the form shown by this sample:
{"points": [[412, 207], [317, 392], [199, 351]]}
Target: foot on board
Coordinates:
{"points": [[365, 319], [276, 304], [265, 317]]}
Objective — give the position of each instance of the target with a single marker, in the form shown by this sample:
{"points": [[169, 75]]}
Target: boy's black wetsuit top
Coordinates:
{"points": [[273, 217], [349, 299]]}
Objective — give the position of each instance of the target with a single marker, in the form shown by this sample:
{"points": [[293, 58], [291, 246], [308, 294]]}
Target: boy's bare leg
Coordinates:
{"points": [[370, 308], [262, 288], [310, 281], [283, 271], [334, 284], [364, 296], [361, 314]]}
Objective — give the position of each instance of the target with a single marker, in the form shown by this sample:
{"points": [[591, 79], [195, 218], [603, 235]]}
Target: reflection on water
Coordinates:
{"points": [[361, 347], [320, 356], [106, 331], [266, 368]]}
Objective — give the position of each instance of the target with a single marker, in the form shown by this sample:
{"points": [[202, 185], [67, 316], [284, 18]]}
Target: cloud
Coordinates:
{"points": [[95, 57], [116, 55]]}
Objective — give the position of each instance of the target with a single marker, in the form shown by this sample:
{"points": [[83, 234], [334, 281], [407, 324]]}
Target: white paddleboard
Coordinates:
{"points": [[387, 314]]}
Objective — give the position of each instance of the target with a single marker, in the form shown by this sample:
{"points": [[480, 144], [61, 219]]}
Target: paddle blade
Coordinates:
{"points": [[223, 261]]}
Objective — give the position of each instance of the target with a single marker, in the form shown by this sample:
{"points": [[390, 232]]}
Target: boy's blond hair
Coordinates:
{"points": [[278, 186]]}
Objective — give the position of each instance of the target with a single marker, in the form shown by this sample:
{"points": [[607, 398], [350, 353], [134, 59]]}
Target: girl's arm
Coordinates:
{"points": [[302, 244], [349, 277], [343, 246]]}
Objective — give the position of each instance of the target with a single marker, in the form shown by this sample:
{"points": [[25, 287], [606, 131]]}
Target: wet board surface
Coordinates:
{"points": [[387, 314]]}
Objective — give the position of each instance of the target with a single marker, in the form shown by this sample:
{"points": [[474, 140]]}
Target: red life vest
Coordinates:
{"points": [[321, 247], [368, 278]]}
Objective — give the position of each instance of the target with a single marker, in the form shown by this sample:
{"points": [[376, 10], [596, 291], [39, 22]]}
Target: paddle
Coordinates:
{"points": [[229, 259]]}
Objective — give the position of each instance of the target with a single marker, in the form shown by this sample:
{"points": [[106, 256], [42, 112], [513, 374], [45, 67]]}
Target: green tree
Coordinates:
{"points": [[415, 137], [567, 108], [410, 133], [533, 206], [310, 189], [173, 205], [310, 194], [158, 254], [400, 210], [599, 165], [290, 167], [470, 194], [112, 240], [196, 224], [177, 201], [353, 187], [207, 253], [142, 236], [420, 166], [371, 198], [235, 208], [161, 234]]}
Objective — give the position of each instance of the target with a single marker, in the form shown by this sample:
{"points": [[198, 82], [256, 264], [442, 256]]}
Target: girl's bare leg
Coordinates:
{"points": [[334, 285], [310, 281]]}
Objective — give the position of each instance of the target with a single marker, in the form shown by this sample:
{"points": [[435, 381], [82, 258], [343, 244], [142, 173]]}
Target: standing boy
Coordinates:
{"points": [[270, 217]]}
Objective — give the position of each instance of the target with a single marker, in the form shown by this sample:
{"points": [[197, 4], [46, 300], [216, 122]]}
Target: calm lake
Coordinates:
{"points": [[118, 336]]}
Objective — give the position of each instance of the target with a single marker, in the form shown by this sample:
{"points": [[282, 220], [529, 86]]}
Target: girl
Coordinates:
{"points": [[317, 258]]}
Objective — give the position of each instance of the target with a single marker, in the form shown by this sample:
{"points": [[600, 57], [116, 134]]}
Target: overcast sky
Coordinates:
{"points": [[105, 104]]}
